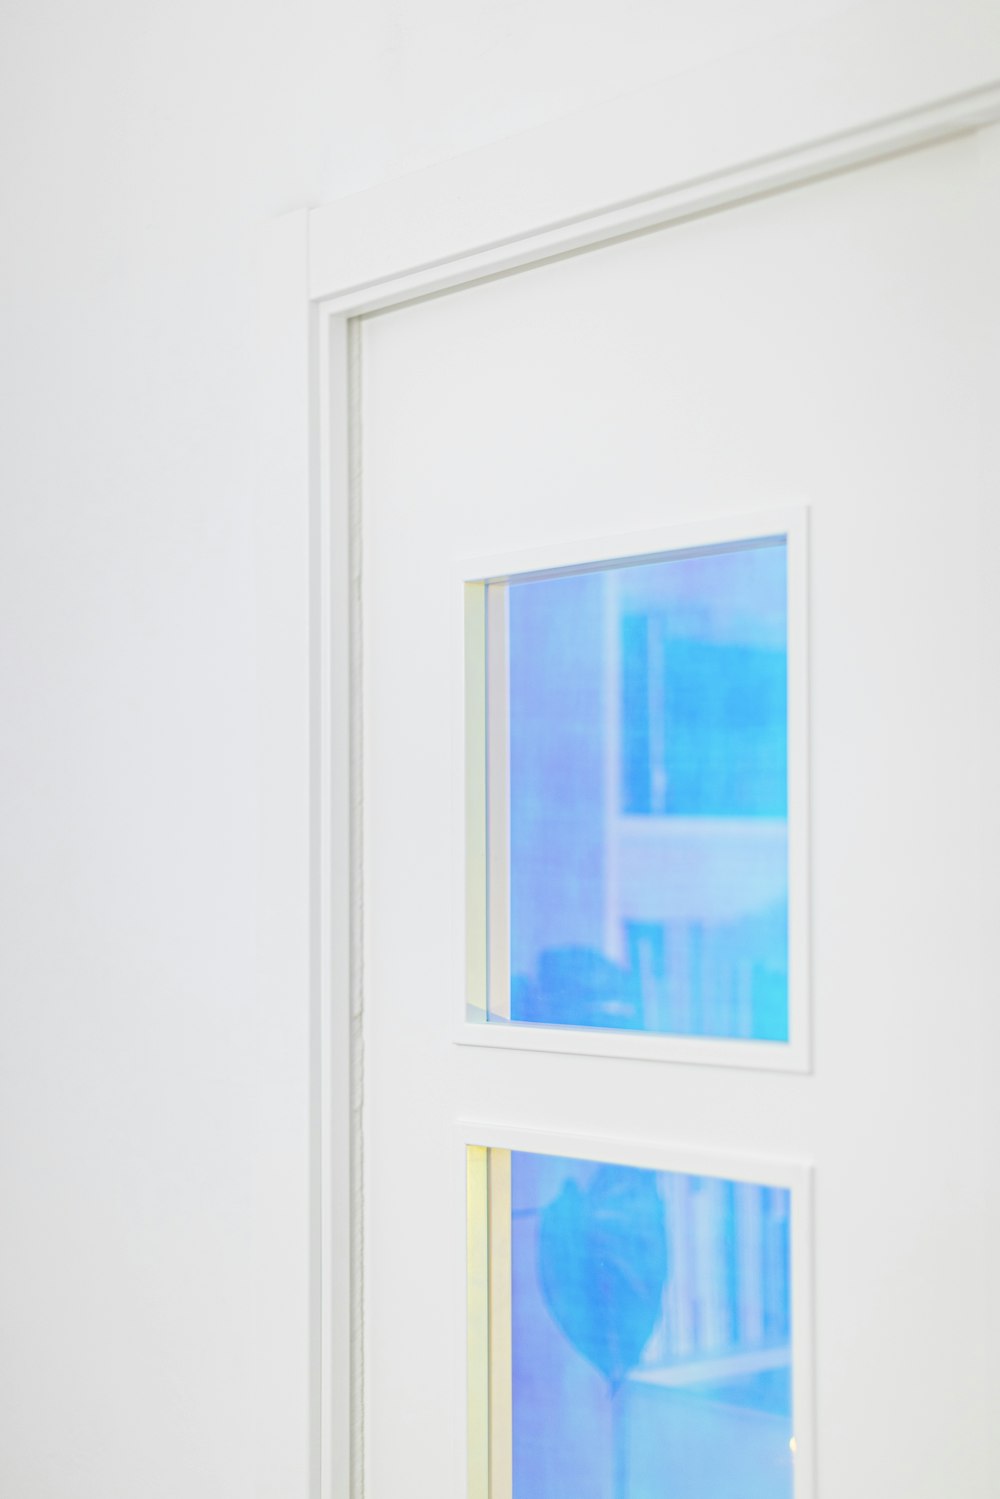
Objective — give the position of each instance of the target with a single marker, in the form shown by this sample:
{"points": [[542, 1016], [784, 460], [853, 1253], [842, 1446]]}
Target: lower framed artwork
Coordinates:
{"points": [[638, 1320]]}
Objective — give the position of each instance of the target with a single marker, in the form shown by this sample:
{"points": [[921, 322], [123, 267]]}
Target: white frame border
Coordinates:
{"points": [[815, 102], [793, 1055], [761, 1170]]}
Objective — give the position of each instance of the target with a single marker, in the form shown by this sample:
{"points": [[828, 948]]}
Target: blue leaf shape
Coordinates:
{"points": [[602, 1254]]}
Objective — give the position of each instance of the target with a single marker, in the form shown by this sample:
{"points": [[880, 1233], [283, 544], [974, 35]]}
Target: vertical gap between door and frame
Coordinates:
{"points": [[498, 801], [337, 1439]]}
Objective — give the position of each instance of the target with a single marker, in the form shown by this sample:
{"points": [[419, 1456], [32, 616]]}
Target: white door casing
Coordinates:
{"points": [[837, 334]]}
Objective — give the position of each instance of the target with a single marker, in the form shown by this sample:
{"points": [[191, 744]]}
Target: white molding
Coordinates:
{"points": [[652, 1155], [794, 1174], [876, 79], [338, 1142], [637, 1046], [724, 529]]}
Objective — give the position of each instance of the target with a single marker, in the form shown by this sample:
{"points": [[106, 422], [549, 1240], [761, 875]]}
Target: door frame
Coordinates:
{"points": [[815, 102]]}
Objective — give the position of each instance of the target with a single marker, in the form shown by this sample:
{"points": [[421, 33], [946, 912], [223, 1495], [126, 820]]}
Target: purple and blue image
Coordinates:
{"points": [[651, 1334], [648, 728]]}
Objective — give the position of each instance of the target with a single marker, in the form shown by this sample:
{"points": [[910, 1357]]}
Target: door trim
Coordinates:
{"points": [[464, 258], [604, 173]]}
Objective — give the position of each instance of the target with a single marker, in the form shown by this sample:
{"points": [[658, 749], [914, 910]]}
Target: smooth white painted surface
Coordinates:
{"points": [[811, 85], [153, 1118], [471, 74], [154, 1180], [826, 344], [287, 1348]]}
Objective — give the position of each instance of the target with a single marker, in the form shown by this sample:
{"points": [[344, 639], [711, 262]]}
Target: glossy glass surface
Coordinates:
{"points": [[647, 761], [650, 1317]]}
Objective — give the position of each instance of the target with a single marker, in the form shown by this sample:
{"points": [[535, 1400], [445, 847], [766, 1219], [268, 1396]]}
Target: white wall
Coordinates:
{"points": [[142, 146]]}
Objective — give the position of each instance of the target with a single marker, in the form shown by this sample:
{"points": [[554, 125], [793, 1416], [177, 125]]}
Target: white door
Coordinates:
{"points": [[814, 361]]}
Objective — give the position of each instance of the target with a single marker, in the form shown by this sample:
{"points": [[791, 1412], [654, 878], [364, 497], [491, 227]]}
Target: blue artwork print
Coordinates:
{"points": [[651, 1334], [648, 733], [602, 1263], [602, 1260]]}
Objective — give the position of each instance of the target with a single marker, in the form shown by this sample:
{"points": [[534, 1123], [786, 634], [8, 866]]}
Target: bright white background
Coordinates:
{"points": [[149, 1115]]}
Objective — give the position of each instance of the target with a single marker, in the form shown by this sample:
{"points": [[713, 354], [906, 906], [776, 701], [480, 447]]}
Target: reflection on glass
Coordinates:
{"points": [[648, 851], [650, 1334]]}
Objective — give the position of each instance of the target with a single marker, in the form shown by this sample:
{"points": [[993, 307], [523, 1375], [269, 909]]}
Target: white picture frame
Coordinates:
{"points": [[481, 730], [475, 1458]]}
